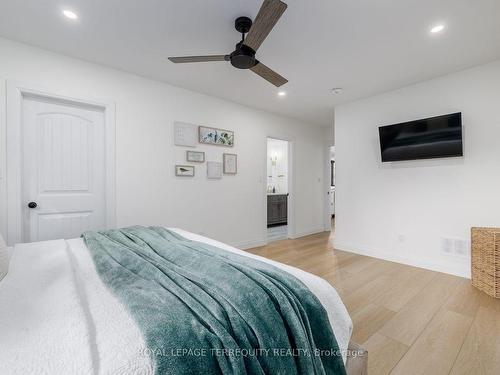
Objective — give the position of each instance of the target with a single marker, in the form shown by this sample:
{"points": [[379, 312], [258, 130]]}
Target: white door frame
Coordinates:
{"points": [[290, 182], [15, 94], [329, 142]]}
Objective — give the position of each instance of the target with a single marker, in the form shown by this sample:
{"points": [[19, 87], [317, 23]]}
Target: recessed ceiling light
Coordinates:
{"points": [[70, 14], [282, 93], [337, 90], [437, 29]]}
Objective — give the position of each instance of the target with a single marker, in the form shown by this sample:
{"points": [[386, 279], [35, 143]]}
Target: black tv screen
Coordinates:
{"points": [[435, 137]]}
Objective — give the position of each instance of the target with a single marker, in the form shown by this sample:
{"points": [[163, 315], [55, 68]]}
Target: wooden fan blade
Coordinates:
{"points": [[269, 14], [269, 75], [195, 59]]}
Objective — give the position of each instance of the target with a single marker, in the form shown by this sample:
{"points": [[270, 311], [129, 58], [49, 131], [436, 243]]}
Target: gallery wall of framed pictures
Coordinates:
{"points": [[192, 136]]}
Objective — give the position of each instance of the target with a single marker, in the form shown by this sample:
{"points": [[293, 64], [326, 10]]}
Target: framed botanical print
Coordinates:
{"points": [[214, 136], [230, 163]]}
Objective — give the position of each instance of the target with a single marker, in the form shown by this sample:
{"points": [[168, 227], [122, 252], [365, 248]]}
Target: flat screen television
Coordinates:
{"points": [[435, 137]]}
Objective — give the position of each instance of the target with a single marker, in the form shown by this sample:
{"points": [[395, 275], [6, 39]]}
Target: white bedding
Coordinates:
{"points": [[57, 317]]}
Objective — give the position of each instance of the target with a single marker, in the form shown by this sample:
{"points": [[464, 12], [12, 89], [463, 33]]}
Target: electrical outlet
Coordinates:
{"points": [[447, 246], [461, 247], [455, 246]]}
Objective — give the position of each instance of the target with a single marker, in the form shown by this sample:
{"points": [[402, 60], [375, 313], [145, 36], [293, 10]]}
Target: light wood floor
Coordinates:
{"points": [[411, 320]]}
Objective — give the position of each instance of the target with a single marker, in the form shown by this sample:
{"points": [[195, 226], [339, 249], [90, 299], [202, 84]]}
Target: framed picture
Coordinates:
{"points": [[230, 162], [213, 136], [214, 170], [184, 134], [195, 156], [184, 170]]}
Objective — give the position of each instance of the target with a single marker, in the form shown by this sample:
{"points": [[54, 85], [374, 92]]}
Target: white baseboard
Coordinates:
{"points": [[307, 232], [244, 245], [462, 270]]}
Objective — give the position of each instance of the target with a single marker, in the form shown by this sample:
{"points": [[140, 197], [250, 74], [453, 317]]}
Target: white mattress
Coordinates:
{"points": [[57, 317]]}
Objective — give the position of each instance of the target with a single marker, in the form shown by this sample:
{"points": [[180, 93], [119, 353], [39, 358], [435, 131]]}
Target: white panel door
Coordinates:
{"points": [[63, 169]]}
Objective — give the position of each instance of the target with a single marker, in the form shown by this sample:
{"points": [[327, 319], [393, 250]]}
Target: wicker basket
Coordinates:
{"points": [[486, 260]]}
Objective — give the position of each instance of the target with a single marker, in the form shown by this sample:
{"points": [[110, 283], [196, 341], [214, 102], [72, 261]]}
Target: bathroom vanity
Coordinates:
{"points": [[277, 209]]}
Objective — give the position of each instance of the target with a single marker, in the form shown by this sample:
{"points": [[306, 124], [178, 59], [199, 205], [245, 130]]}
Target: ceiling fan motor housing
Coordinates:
{"points": [[243, 57]]}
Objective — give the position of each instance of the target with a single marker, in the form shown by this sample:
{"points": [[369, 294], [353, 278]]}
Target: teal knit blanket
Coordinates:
{"points": [[204, 310]]}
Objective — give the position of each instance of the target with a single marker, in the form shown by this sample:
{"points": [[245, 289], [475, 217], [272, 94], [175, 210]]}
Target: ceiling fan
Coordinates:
{"points": [[243, 57]]}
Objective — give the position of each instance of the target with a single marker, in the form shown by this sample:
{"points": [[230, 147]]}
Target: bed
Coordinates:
{"points": [[58, 317]]}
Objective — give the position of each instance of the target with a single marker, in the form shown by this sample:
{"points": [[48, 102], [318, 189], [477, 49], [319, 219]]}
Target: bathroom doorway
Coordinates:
{"points": [[278, 189], [331, 192]]}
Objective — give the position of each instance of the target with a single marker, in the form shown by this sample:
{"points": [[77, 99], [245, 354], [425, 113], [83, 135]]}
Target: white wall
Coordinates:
{"points": [[401, 211], [148, 193]]}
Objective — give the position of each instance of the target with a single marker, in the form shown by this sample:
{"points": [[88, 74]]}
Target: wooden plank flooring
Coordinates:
{"points": [[411, 320]]}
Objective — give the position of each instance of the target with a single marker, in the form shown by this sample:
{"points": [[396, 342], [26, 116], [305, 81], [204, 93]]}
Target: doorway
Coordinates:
{"points": [[331, 192], [278, 189], [61, 158]]}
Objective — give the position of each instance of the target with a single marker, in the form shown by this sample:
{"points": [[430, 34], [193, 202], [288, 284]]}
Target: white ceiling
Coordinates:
{"points": [[364, 46]]}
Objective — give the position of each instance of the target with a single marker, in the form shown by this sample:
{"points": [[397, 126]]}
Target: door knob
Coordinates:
{"points": [[32, 205]]}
